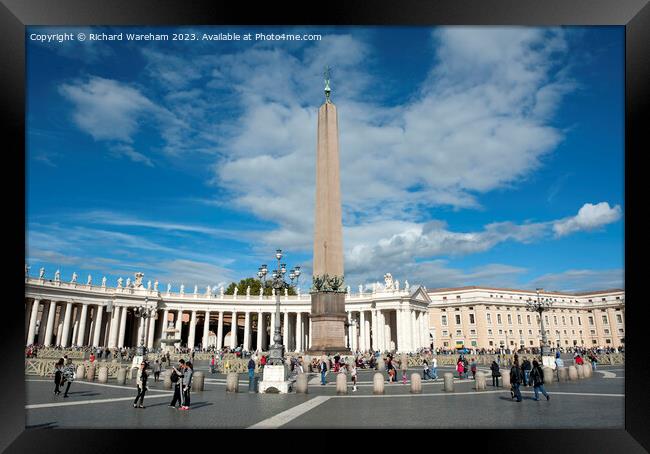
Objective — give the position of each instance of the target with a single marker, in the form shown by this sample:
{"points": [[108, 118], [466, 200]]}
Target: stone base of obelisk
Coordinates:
{"points": [[274, 380], [328, 320]]}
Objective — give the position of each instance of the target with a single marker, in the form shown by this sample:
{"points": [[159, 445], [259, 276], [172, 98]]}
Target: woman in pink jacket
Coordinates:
{"points": [[460, 368]]}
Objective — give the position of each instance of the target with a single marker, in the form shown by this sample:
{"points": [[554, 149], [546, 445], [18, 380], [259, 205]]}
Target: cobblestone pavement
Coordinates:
{"points": [[596, 402]]}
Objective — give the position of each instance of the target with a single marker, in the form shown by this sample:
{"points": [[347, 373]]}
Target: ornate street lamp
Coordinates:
{"points": [[276, 351], [540, 305], [143, 313]]}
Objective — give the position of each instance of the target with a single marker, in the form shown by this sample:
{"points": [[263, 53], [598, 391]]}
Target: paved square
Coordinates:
{"points": [[596, 402]]}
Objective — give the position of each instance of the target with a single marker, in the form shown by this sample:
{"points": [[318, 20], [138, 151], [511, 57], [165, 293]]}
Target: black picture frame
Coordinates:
{"points": [[15, 15]]}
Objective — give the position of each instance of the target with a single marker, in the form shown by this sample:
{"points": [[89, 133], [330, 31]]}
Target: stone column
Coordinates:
{"points": [[299, 347], [272, 328], [206, 330], [81, 337], [233, 330], [192, 333], [120, 342], [261, 331], [350, 331], [401, 336], [99, 313], [310, 332], [75, 325], [220, 331], [367, 333], [66, 325], [179, 326], [285, 336], [151, 331], [362, 327], [50, 324], [32, 322], [247, 332], [373, 329], [114, 327], [381, 324]]}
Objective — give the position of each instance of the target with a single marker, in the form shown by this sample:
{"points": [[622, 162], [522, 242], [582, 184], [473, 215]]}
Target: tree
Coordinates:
{"points": [[255, 285]]}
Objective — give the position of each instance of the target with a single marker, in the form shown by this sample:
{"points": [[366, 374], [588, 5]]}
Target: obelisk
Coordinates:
{"points": [[328, 316]]}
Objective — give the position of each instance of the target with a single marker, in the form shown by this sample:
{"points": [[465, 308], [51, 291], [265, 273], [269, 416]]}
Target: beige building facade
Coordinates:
{"points": [[494, 318]]}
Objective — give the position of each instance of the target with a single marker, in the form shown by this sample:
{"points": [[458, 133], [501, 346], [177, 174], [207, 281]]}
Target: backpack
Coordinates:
{"points": [[174, 377]]}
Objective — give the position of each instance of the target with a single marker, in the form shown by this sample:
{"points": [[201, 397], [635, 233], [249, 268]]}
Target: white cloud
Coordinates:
{"points": [[589, 217], [580, 280]]}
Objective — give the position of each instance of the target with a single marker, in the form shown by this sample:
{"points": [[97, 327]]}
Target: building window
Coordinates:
{"points": [[458, 332], [619, 319], [620, 331], [530, 332], [510, 332], [528, 319], [489, 332], [509, 319], [579, 321], [531, 342], [563, 320], [555, 319], [546, 319], [594, 342], [499, 319], [571, 320], [491, 343], [445, 333], [519, 319], [606, 331], [471, 318], [489, 319], [458, 319], [605, 319], [446, 344], [608, 341], [593, 332], [444, 320], [500, 332], [472, 332], [591, 321]]}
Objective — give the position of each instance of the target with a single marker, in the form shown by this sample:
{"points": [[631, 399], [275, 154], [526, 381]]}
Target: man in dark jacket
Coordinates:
{"points": [[516, 377], [177, 378], [525, 367], [537, 377], [251, 375]]}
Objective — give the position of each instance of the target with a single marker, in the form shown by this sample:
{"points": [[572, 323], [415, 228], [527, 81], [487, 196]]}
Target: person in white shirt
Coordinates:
{"points": [[434, 368], [353, 373]]}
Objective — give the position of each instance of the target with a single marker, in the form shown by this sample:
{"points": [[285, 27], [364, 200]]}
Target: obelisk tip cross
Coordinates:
{"points": [[327, 84]]}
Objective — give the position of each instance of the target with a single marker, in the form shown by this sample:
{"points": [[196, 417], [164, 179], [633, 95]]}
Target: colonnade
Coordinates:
{"points": [[67, 323]]}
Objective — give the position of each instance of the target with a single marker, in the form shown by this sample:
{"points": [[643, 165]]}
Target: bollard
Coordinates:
{"points": [[121, 376], [586, 369], [133, 373], [102, 374], [581, 372], [573, 373], [167, 379], [378, 383], [302, 384], [449, 382], [548, 375], [505, 379], [81, 370], [381, 365], [90, 373], [416, 383], [232, 382], [479, 384], [562, 374], [341, 383], [198, 381]]}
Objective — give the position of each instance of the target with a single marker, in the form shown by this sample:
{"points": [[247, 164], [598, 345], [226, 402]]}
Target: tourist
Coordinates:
{"points": [[516, 377], [537, 377], [353, 374], [434, 367], [525, 367], [594, 361], [460, 369], [579, 361], [473, 368], [262, 362], [495, 374], [141, 383], [212, 365], [425, 372], [323, 371], [404, 366], [558, 363], [251, 375], [92, 358], [58, 376], [69, 375], [176, 379], [465, 367], [187, 385], [156, 371]]}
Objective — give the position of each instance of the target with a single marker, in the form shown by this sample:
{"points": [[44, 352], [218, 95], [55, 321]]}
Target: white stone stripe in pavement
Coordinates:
{"points": [[607, 374], [124, 387], [474, 393], [286, 416], [85, 402]]}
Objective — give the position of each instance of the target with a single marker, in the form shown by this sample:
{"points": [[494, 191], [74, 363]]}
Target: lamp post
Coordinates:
{"points": [[276, 351], [540, 305], [143, 313]]}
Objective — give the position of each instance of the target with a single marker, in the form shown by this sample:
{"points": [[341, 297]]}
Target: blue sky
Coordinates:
{"points": [[469, 155]]}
